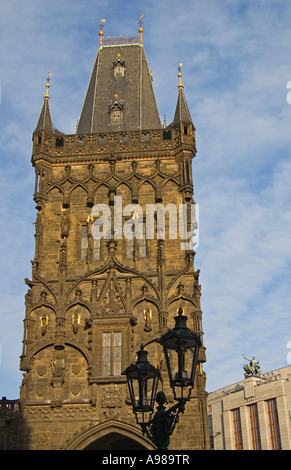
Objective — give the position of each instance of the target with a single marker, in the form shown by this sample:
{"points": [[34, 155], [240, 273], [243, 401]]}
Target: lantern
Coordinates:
{"points": [[181, 347], [142, 379]]}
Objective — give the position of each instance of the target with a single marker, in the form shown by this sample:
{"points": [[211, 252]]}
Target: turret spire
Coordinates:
{"points": [[182, 113], [45, 121]]}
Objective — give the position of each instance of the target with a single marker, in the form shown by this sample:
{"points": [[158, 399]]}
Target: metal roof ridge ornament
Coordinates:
{"points": [[180, 84], [121, 40], [140, 28], [101, 34], [46, 95]]}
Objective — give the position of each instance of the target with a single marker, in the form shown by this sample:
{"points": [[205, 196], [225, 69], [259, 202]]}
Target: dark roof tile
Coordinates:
{"points": [[133, 88]]}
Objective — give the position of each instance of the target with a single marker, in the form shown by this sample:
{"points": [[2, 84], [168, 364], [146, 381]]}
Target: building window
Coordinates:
{"points": [[59, 142], [274, 424], [84, 242], [167, 135], [137, 248], [255, 430], [111, 353], [119, 70], [116, 110], [119, 67], [85, 245], [237, 429], [116, 116]]}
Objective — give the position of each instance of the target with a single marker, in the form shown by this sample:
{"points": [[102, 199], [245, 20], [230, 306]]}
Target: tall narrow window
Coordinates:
{"points": [[85, 245], [84, 241], [111, 353], [255, 430], [237, 429], [274, 424], [116, 353], [143, 248], [137, 247]]}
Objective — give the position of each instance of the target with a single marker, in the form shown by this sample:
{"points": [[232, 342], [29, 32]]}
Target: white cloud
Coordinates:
{"points": [[236, 57], [245, 263]]}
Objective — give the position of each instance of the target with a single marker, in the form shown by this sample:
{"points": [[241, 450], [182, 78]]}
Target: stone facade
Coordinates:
{"points": [[253, 414], [91, 303]]}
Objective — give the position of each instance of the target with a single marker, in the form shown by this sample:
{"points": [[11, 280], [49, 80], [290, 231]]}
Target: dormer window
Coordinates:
{"points": [[115, 116], [116, 111], [118, 67], [118, 70]]}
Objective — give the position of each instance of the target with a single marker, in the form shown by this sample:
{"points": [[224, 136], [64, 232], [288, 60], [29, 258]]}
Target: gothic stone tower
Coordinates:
{"points": [[91, 302]]}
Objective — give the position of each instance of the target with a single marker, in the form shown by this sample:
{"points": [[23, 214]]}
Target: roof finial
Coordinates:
{"points": [[101, 34], [140, 28], [180, 84], [47, 86]]}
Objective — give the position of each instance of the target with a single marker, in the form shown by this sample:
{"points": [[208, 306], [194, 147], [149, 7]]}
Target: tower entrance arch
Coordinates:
{"points": [[110, 435]]}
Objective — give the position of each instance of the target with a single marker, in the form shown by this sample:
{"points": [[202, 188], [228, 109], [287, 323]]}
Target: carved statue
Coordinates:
{"points": [[253, 368], [147, 319]]}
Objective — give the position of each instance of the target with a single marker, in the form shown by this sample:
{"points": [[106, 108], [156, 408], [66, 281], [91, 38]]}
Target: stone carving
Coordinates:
{"points": [[63, 257], [147, 312], [40, 390], [75, 389], [111, 300], [111, 397], [45, 438], [57, 372], [76, 368], [65, 224], [252, 368], [41, 370]]}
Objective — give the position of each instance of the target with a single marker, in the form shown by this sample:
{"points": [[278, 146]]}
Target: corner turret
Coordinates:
{"points": [[45, 121], [182, 113]]}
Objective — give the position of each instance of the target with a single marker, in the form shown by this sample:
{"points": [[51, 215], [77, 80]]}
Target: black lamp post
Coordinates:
{"points": [[181, 347]]}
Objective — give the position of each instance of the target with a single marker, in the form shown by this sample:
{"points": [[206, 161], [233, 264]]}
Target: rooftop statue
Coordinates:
{"points": [[253, 368]]}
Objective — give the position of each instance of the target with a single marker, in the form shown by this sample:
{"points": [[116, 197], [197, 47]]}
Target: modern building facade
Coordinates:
{"points": [[253, 414], [92, 300]]}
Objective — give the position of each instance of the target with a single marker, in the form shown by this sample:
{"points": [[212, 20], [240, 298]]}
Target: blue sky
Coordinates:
{"points": [[236, 66]]}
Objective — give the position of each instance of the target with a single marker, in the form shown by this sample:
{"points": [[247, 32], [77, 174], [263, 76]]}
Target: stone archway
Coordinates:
{"points": [[110, 435], [115, 441]]}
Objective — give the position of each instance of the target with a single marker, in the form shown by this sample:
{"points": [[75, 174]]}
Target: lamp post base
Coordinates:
{"points": [[160, 428]]}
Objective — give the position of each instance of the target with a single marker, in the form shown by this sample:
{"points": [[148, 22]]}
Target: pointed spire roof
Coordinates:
{"points": [[120, 68], [45, 121], [182, 113]]}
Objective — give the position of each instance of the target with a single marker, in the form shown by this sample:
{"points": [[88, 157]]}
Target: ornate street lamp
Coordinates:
{"points": [[142, 379], [181, 347]]}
